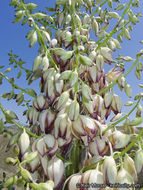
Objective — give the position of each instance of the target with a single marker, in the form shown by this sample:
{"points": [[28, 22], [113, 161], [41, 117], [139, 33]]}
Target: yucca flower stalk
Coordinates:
{"points": [[68, 129]]}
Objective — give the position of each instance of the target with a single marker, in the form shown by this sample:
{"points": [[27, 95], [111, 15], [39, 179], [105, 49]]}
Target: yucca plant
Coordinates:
{"points": [[70, 142]]}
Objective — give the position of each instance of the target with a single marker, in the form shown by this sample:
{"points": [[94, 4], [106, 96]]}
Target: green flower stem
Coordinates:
{"points": [[114, 29], [77, 69], [27, 130], [40, 38], [16, 86], [114, 83], [97, 9], [123, 118]]}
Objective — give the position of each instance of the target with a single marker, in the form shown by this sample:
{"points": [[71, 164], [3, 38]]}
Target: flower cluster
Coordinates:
{"points": [[69, 116]]}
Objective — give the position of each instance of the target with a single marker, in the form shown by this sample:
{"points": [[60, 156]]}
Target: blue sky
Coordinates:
{"points": [[12, 37]]}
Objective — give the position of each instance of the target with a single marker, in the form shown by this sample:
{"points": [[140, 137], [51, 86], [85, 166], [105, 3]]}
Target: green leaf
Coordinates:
{"points": [[11, 95], [5, 95], [32, 92], [1, 80], [141, 85], [19, 74], [50, 9], [8, 70], [24, 22], [1, 67]]}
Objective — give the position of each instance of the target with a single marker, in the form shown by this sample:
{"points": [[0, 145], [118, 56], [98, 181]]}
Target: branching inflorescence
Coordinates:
{"points": [[69, 144]]}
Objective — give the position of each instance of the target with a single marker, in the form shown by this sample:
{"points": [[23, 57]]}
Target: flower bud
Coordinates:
{"points": [[89, 125], [109, 170], [107, 54], [86, 92], [139, 111], [113, 14], [93, 73], [74, 180], [11, 161], [56, 171], [10, 115], [39, 15], [45, 63], [68, 19], [34, 164], [73, 78], [58, 84], [108, 99], [53, 43], [116, 104], [19, 98], [44, 163], [33, 39], [111, 45], [89, 106], [86, 20], [16, 150], [62, 126], [120, 7], [93, 177], [129, 166], [13, 140], [85, 60], [73, 111], [60, 19], [48, 74], [31, 6], [128, 90], [52, 144], [126, 33], [49, 90], [92, 56], [40, 103], [77, 128], [65, 75], [46, 120], [62, 100], [95, 26], [124, 177], [119, 139], [77, 20], [136, 121], [37, 63], [114, 74], [139, 161], [49, 185], [110, 3], [45, 36], [98, 147], [24, 142], [41, 147], [31, 156], [117, 44], [66, 55], [10, 181], [32, 115], [121, 82], [26, 175], [116, 117], [100, 62]]}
